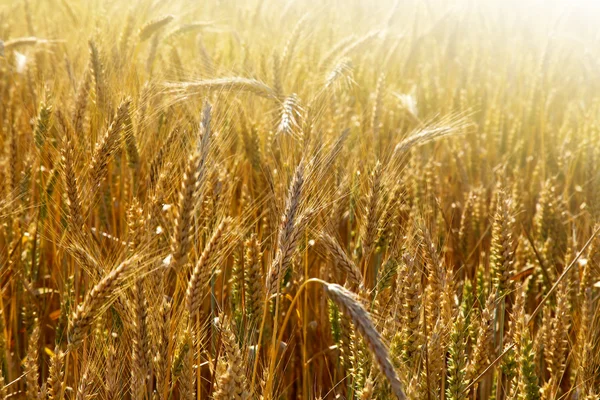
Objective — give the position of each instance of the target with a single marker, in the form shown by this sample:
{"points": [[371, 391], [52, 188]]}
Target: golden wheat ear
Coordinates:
{"points": [[151, 27], [193, 179], [231, 381], [350, 305], [289, 230], [95, 302], [233, 84], [202, 270], [108, 145], [344, 262]]}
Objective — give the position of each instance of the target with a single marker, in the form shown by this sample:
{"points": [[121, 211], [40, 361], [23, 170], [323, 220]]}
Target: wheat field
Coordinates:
{"points": [[274, 199]]}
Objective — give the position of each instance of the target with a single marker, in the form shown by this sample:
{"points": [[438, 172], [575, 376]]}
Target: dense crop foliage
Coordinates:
{"points": [[291, 200]]}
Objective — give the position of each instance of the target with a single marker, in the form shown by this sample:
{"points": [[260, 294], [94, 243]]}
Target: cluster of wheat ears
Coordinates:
{"points": [[292, 200]]}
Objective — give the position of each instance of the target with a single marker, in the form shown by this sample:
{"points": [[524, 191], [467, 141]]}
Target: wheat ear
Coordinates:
{"points": [[192, 182], [93, 303], [150, 28], [220, 84], [343, 260], [107, 145], [31, 363], [201, 270], [350, 305], [287, 239], [55, 384]]}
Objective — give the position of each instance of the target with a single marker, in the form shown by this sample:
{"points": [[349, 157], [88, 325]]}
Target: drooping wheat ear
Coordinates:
{"points": [[350, 305], [202, 271], [255, 286], [131, 147], [285, 242], [502, 251], [221, 84], [372, 212], [193, 179], [107, 145], [31, 363], [97, 72], [151, 27], [141, 348], [42, 124], [419, 138], [55, 384], [232, 383], [191, 27], [81, 102], [342, 259], [483, 350], [94, 302], [17, 43], [72, 187]]}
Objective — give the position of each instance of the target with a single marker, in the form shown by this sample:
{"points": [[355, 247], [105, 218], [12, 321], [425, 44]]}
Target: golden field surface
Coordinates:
{"points": [[274, 199]]}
